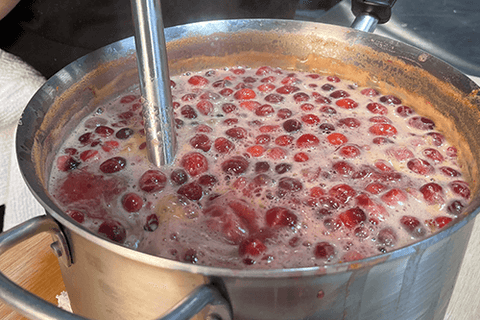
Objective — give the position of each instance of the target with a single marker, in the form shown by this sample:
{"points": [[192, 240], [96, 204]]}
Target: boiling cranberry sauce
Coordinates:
{"points": [[274, 169]]}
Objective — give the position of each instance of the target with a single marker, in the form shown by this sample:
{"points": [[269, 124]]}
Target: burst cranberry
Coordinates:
{"points": [[152, 181], [235, 165], [346, 103], [404, 111], [89, 155], [109, 146], [342, 193], [113, 165], [277, 217], [284, 113], [76, 215], [223, 145], [307, 141], [274, 98], [350, 123], [437, 139], [194, 163], [201, 141], [421, 123], [251, 247], [413, 226], [188, 112], [352, 217], [192, 191], [432, 193], [67, 163], [151, 223], [349, 151], [292, 125], [324, 250], [337, 139], [383, 129], [442, 221], [420, 166], [179, 176], [113, 230], [290, 184], [460, 188], [132, 202]]}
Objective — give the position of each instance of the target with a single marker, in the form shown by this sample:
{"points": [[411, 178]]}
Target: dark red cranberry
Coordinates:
{"points": [[67, 163], [113, 165], [290, 184], [413, 226], [292, 125], [342, 192], [113, 230], [235, 165], [352, 217], [104, 131], [179, 176], [404, 111], [201, 141], [281, 168], [432, 193], [251, 247], [350, 123], [261, 167], [455, 207], [324, 250], [284, 113], [132, 202], [339, 94], [151, 223], [223, 145], [192, 191], [194, 163], [387, 237], [280, 217], [188, 112], [389, 99], [328, 87], [86, 138], [264, 110], [274, 98], [328, 110], [207, 180], [76, 215], [152, 181], [460, 188], [124, 134], [343, 168], [237, 133], [326, 128], [301, 97]]}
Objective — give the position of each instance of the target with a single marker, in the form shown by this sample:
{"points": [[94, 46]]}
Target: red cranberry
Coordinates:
{"points": [[420, 166], [235, 165], [205, 107], [113, 165], [328, 110], [251, 247], [421, 123], [201, 141], [290, 184], [86, 138], [104, 131], [76, 215], [229, 107], [132, 202], [152, 181], [390, 99], [343, 168], [324, 250], [301, 97], [346, 103], [284, 113], [339, 94], [67, 163], [179, 176], [192, 191], [274, 98], [237, 133], [383, 129], [261, 167], [124, 134], [350, 123], [245, 94], [377, 108], [433, 154], [207, 180], [436, 138], [151, 223], [223, 145], [404, 111], [287, 89], [460, 188], [292, 125], [387, 237], [455, 207], [326, 128], [352, 217], [191, 256], [413, 226], [342, 192], [432, 193], [307, 141], [194, 163], [281, 168], [188, 112], [113, 230], [198, 80], [277, 217]]}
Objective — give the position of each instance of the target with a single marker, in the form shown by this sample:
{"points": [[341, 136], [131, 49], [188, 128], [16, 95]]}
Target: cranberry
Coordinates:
{"points": [[280, 217], [249, 80], [310, 119], [420, 166], [455, 207], [346, 103], [266, 87], [151, 223], [188, 112], [394, 197], [284, 113], [226, 92], [192, 191], [326, 128], [235, 165], [328, 110], [389, 99], [301, 157], [437, 139], [383, 129], [251, 247], [86, 138], [307, 141], [237, 133], [352, 217], [128, 99], [245, 94], [413, 226], [324, 250], [221, 83], [350, 123], [441, 221], [433, 154], [194, 163], [287, 89], [337, 139], [256, 151], [450, 172], [67, 163], [76, 215], [432, 193], [328, 87], [264, 110], [113, 165], [124, 134], [207, 180], [191, 256], [274, 98], [292, 125], [132, 202], [369, 92], [205, 107], [284, 140], [104, 131], [377, 108], [333, 79], [342, 193], [332, 224], [343, 168], [198, 81], [261, 167], [229, 107], [349, 151], [262, 71], [381, 140], [387, 237], [113, 230], [262, 139], [404, 111], [421, 123], [223, 145], [152, 181], [189, 97], [339, 94], [460, 188], [201, 141], [290, 184], [282, 168], [375, 188], [179, 176], [301, 97]]}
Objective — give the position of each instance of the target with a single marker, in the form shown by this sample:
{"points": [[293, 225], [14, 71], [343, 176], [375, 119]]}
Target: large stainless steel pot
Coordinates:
{"points": [[108, 281]]}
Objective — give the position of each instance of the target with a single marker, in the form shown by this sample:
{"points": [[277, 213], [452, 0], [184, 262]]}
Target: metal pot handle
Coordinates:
{"points": [[369, 13], [34, 307]]}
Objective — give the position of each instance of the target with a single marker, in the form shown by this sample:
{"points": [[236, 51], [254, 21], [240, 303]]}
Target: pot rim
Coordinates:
{"points": [[209, 27]]}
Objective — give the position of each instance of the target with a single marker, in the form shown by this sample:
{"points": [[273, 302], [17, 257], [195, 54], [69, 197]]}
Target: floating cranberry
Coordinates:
{"points": [[198, 81], [346, 103], [274, 98], [179, 176], [413, 226], [326, 128], [192, 191], [390, 99], [229, 107], [301, 157], [264, 110], [113, 165], [328, 87], [245, 94], [128, 99], [223, 145], [290, 184], [287, 89], [277, 217], [343, 168], [89, 155], [420, 166], [337, 139], [251, 247], [188, 112], [369, 92], [152, 181], [383, 129], [262, 139], [235, 165], [194, 163], [433, 154], [342, 192], [256, 151], [349, 151], [284, 113], [381, 140], [332, 224], [301, 97], [377, 108], [191, 256], [86, 138], [266, 87], [432, 193], [237, 133], [307, 141], [124, 134], [188, 97], [310, 119], [353, 217], [151, 223], [451, 152], [132, 202], [205, 107], [394, 197], [292, 125], [404, 111], [104, 131], [226, 92], [201, 141], [375, 188], [76, 215], [67, 163], [442, 221], [324, 250], [328, 110], [207, 180], [282, 168], [455, 207], [421, 123], [339, 94], [460, 188], [261, 167], [262, 71], [350, 123], [387, 237], [113, 230], [284, 140]]}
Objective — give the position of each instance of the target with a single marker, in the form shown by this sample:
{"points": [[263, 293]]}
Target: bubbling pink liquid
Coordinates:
{"points": [[275, 170]]}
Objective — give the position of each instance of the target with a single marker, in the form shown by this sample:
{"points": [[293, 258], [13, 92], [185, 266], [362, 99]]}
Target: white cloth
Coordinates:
{"points": [[18, 83]]}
